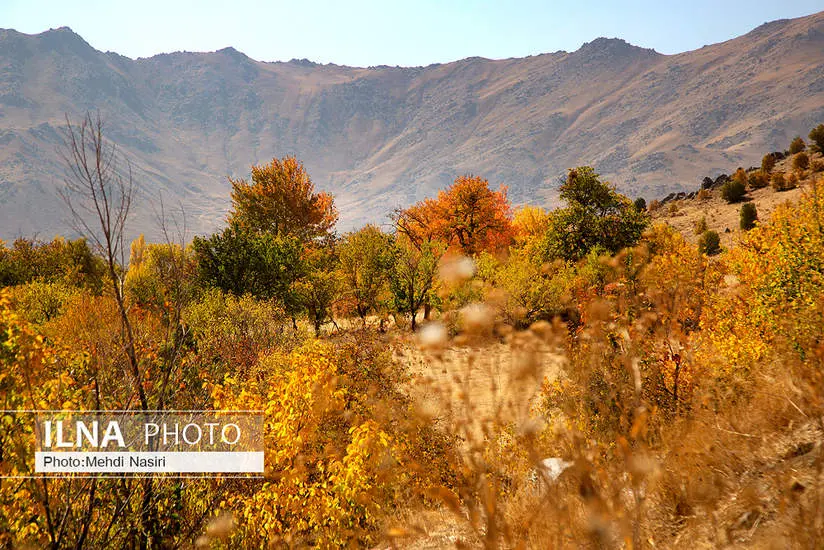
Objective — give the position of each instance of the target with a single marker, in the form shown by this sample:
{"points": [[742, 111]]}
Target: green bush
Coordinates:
{"points": [[817, 136], [733, 191], [641, 204], [748, 217], [709, 243], [700, 226]]}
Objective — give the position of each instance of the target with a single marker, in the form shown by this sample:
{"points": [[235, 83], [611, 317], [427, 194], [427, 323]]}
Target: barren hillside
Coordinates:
{"points": [[382, 137]]}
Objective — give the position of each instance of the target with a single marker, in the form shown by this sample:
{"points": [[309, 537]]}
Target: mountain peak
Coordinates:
{"points": [[64, 38], [613, 46], [60, 30]]}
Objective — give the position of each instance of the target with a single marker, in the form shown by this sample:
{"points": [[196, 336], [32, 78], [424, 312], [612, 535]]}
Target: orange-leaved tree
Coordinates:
{"points": [[476, 218], [281, 199], [421, 223], [468, 216]]}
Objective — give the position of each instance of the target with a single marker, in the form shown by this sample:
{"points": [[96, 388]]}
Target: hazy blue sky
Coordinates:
{"points": [[393, 32]]}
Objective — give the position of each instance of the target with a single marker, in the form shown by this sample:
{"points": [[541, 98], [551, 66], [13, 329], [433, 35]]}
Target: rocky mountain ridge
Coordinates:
{"points": [[382, 137]]}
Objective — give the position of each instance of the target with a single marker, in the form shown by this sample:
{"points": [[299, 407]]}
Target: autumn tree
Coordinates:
{"points": [[778, 268], [740, 177], [778, 181], [596, 215], [529, 225], [768, 163], [801, 161], [282, 200], [758, 179], [420, 223], [468, 217], [475, 218], [367, 257], [797, 145]]}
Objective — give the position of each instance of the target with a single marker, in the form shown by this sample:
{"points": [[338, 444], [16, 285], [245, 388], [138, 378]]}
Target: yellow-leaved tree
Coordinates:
{"points": [[773, 281], [327, 459]]}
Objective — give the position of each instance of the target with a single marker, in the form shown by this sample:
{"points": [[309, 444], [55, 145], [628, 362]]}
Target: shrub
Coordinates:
{"points": [[748, 217], [672, 209], [817, 165], [733, 190], [40, 301], [654, 205], [231, 332], [801, 161], [758, 179], [641, 204], [817, 136], [740, 176], [709, 243], [704, 194], [778, 181], [792, 181], [797, 145], [700, 226], [768, 163]]}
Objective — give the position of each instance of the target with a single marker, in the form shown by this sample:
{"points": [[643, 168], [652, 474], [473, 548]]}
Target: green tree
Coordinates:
{"points": [[595, 215], [748, 216], [733, 190], [709, 243], [641, 204], [69, 262], [318, 286], [367, 257], [797, 145], [413, 278], [699, 225], [817, 137], [241, 262]]}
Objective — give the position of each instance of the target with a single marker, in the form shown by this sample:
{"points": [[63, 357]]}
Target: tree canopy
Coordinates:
{"points": [[282, 199], [595, 215], [468, 217]]}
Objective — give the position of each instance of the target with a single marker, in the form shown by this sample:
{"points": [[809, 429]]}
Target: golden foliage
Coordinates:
{"points": [[281, 200]]}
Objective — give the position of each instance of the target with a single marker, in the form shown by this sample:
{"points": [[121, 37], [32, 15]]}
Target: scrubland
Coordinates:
{"points": [[480, 376]]}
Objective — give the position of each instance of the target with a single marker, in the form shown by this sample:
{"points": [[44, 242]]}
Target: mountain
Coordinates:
{"points": [[382, 137]]}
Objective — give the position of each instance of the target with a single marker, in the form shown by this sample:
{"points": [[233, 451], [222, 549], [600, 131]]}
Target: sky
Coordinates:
{"points": [[394, 32]]}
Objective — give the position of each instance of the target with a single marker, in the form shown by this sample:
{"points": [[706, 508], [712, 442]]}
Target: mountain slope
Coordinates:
{"points": [[384, 137]]}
